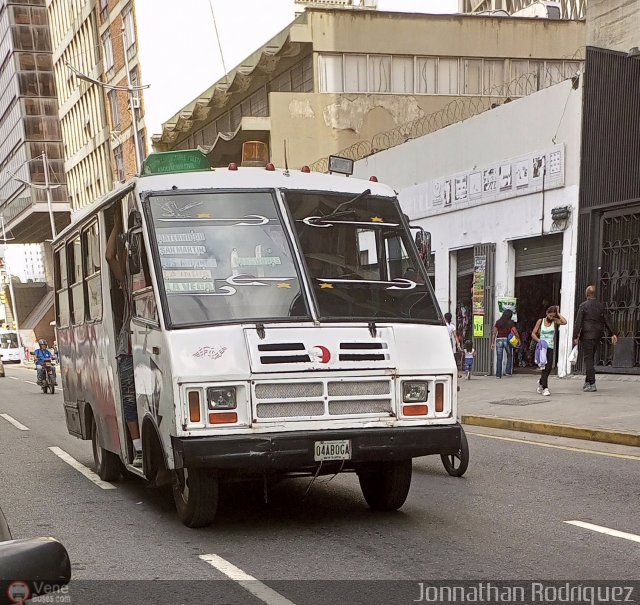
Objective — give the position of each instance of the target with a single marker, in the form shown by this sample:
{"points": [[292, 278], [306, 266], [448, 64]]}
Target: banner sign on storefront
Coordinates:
{"points": [[508, 303], [479, 272], [478, 326]]}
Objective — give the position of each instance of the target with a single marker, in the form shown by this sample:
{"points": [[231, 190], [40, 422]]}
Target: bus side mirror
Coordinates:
{"points": [[133, 240], [423, 243]]}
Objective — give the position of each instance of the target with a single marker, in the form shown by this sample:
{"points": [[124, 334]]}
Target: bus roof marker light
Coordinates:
{"points": [[270, 167], [373, 179], [172, 162], [255, 154], [305, 169], [233, 166]]}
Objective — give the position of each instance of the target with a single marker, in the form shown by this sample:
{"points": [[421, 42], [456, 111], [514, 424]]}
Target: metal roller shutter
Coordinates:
{"points": [[539, 255]]}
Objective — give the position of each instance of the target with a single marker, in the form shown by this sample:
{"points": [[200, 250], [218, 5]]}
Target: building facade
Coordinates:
{"points": [[26, 262], [499, 195], [353, 82], [29, 125], [609, 224], [89, 57]]}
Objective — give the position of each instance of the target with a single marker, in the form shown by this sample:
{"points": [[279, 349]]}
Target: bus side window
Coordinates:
{"points": [[74, 272], [91, 270], [62, 297], [144, 304]]}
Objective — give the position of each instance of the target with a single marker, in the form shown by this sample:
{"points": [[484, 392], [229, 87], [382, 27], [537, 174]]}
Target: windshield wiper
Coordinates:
{"points": [[339, 207]]}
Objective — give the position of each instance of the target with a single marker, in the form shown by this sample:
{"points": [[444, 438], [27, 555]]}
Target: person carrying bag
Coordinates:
{"points": [[544, 334]]}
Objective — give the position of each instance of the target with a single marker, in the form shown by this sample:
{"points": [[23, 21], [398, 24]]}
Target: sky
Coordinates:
{"points": [[179, 54]]}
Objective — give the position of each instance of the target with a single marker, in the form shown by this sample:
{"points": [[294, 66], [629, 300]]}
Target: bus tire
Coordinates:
{"points": [[196, 493], [456, 464], [385, 485], [108, 465]]}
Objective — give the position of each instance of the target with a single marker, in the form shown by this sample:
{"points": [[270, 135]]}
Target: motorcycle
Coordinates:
{"points": [[48, 380]]}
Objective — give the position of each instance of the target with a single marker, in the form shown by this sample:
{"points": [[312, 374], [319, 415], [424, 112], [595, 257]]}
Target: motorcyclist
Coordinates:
{"points": [[42, 353]]}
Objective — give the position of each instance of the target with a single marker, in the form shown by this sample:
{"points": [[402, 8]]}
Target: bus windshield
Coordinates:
{"points": [[224, 256], [9, 340], [360, 258]]}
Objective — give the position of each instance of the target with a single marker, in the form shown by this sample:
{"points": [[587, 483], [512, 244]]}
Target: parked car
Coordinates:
{"points": [[31, 567]]}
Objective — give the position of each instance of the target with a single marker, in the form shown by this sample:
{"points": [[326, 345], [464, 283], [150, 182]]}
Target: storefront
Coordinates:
{"points": [[500, 202]]}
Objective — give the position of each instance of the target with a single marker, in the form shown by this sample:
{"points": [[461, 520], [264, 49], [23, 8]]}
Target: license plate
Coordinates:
{"points": [[332, 450]]}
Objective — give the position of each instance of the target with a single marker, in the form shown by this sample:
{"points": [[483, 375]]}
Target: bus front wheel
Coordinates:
{"points": [[385, 485], [196, 493]]}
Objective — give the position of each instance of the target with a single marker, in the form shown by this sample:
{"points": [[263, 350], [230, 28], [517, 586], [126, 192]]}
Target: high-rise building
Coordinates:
{"points": [[94, 40], [29, 124], [25, 261]]}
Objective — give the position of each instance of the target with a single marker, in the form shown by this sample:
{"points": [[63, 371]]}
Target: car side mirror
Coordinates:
{"points": [[30, 568], [423, 243]]}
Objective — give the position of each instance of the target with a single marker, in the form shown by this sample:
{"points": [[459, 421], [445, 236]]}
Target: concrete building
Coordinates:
{"points": [[499, 195], [96, 125], [352, 82], [29, 124], [26, 261]]}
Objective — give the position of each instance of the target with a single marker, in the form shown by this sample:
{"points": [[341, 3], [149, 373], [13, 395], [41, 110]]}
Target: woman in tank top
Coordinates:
{"points": [[545, 331]]}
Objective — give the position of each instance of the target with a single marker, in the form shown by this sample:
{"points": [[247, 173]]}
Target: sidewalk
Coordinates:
{"points": [[611, 415]]}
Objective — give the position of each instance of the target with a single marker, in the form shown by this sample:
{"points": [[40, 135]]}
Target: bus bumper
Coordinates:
{"points": [[295, 450]]}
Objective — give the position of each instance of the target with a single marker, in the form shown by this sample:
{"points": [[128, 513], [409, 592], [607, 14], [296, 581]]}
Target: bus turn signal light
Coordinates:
{"points": [[223, 418], [415, 410], [194, 406], [439, 397]]}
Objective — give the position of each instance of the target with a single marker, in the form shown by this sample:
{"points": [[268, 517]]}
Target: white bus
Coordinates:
{"points": [[10, 348], [283, 324]]}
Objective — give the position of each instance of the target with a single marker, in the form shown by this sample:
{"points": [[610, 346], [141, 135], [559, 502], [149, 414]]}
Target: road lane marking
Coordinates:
{"points": [[83, 470], [13, 378], [557, 447], [249, 583], [10, 420], [29, 382], [605, 530]]}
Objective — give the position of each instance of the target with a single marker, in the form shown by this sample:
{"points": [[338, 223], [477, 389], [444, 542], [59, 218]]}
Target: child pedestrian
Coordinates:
{"points": [[469, 354]]}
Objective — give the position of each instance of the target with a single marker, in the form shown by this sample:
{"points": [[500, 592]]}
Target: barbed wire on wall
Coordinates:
{"points": [[457, 110]]}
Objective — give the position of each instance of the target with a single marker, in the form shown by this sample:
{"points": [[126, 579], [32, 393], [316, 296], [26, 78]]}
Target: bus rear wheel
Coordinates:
{"points": [[108, 466], [385, 485], [196, 494]]}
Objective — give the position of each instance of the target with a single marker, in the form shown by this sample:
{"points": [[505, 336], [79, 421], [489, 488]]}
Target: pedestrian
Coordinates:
{"points": [[544, 333], [591, 321], [469, 354], [502, 330]]}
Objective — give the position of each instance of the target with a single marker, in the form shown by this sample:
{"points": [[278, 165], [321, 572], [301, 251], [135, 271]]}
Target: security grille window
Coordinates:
{"points": [[108, 52], [427, 81], [493, 82]]}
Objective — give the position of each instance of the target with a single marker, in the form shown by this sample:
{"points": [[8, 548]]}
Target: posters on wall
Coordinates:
{"points": [[505, 303], [478, 326], [479, 272], [503, 179]]}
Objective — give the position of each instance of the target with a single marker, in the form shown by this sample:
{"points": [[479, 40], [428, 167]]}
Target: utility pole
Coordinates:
{"points": [[14, 310]]}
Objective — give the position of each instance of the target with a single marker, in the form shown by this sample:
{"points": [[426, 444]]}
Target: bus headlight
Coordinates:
{"points": [[222, 398], [414, 392]]}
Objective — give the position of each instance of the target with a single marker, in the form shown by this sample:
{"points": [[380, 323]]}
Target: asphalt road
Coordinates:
{"points": [[505, 520]]}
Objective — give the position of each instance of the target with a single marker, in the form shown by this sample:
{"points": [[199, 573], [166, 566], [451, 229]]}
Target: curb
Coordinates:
{"points": [[556, 430]]}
